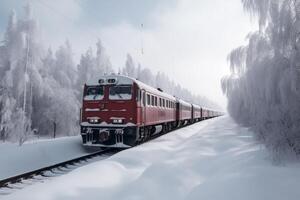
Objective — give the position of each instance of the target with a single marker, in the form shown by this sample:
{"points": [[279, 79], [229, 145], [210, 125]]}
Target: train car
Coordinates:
{"points": [[119, 111], [183, 112], [204, 113], [196, 113]]}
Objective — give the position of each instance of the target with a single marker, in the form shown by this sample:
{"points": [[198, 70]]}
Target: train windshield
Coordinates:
{"points": [[94, 93], [120, 92]]}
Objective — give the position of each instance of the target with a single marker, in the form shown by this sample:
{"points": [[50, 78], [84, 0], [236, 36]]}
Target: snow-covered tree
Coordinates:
{"points": [[64, 70], [36, 86], [19, 70], [263, 88], [103, 64], [129, 69]]}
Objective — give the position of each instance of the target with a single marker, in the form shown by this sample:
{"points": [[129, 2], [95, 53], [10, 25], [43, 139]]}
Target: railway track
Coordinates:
{"points": [[20, 181]]}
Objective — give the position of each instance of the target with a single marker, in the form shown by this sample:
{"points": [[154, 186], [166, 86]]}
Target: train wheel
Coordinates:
{"points": [[169, 127], [164, 129]]}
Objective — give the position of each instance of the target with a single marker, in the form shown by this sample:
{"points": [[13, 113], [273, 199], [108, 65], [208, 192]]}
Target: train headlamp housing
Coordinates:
{"points": [[101, 81], [111, 81], [94, 120], [117, 121]]}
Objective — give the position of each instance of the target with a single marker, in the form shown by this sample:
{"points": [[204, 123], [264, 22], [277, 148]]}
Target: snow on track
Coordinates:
{"points": [[34, 155], [211, 160]]}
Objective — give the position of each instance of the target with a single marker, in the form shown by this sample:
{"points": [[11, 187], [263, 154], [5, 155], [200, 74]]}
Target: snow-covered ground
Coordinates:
{"points": [[213, 159], [15, 159]]}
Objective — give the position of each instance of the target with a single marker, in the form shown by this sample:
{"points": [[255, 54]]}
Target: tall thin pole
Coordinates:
{"points": [[142, 45]]}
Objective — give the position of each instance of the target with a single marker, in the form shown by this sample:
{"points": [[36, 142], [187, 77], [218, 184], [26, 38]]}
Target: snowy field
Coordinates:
{"points": [[15, 159], [211, 160]]}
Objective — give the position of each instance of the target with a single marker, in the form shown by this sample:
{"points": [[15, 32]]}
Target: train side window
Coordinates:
{"points": [[160, 104], [155, 101], [152, 100], [138, 95], [163, 102], [167, 104], [148, 99], [144, 98]]}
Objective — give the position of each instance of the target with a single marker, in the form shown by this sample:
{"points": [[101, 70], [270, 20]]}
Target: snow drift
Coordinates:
{"points": [[213, 160]]}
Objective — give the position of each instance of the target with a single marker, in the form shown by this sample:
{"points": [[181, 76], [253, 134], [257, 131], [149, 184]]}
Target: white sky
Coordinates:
{"points": [[187, 39]]}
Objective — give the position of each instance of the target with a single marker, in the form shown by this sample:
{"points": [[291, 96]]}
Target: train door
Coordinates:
{"points": [[192, 113], [201, 114], [143, 108]]}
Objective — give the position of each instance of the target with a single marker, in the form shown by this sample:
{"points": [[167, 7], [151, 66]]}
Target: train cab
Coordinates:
{"points": [[109, 112]]}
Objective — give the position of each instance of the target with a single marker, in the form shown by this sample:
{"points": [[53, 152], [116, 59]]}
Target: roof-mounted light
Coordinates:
{"points": [[111, 81], [101, 81]]}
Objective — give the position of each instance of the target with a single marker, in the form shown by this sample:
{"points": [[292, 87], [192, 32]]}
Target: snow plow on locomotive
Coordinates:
{"points": [[119, 111]]}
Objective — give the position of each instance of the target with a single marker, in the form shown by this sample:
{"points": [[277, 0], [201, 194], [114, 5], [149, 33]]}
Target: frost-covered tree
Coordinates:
{"points": [[64, 70], [19, 72], [7, 104], [264, 86], [129, 69], [37, 88], [86, 68], [103, 64]]}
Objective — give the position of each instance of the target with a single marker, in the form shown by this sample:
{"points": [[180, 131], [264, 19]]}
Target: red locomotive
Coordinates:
{"points": [[119, 111]]}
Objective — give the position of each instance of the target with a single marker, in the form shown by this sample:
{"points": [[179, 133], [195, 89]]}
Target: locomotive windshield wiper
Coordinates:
{"points": [[95, 96]]}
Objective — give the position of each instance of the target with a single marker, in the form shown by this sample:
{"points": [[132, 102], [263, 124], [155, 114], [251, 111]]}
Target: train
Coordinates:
{"points": [[120, 111]]}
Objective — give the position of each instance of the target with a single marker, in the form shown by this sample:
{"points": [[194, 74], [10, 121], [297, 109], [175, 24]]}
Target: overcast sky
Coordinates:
{"points": [[187, 39]]}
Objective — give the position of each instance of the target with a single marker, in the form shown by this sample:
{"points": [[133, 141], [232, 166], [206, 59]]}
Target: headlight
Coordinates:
{"points": [[117, 121], [94, 120]]}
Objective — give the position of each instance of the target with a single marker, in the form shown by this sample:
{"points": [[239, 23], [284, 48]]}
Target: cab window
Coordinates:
{"points": [[94, 93], [120, 92]]}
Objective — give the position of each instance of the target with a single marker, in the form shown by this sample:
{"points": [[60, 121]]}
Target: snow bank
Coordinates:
{"points": [[213, 159], [15, 159]]}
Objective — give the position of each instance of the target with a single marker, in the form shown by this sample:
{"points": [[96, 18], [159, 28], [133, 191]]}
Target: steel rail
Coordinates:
{"points": [[31, 174]]}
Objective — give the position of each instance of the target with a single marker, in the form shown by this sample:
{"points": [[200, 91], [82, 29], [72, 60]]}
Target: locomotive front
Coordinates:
{"points": [[108, 114]]}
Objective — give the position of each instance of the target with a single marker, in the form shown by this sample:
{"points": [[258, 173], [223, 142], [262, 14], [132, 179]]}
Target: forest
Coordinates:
{"points": [[41, 88]]}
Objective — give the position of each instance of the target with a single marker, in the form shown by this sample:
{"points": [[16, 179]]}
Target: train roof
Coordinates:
{"points": [[196, 106], [183, 102], [125, 80], [154, 90]]}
